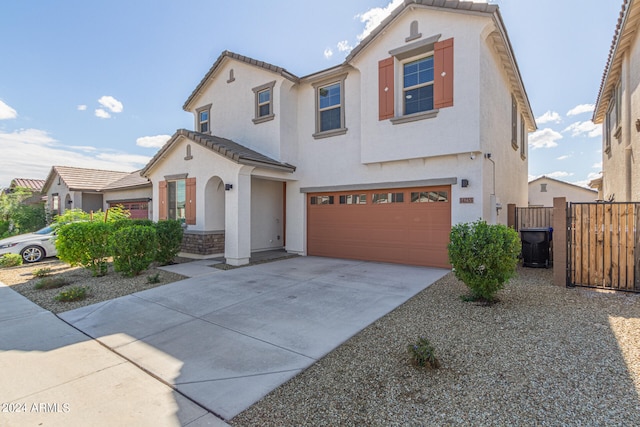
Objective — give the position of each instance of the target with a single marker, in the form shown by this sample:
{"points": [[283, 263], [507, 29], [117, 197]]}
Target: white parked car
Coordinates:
{"points": [[33, 247]]}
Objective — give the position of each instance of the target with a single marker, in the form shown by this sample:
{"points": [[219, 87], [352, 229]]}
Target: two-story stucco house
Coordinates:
{"points": [[423, 125], [618, 110]]}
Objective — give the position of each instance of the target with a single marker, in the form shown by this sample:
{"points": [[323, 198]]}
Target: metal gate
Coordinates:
{"points": [[603, 248]]}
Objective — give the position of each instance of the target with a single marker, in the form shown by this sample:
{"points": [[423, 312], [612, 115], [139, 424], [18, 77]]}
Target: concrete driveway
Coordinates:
{"points": [[224, 339]]}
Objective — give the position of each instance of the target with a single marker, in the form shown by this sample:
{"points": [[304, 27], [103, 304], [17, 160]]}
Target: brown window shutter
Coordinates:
{"points": [[162, 200], [190, 208], [443, 74], [385, 89]]}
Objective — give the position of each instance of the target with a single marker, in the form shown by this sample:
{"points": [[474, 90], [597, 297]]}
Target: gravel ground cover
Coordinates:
{"points": [[542, 355], [113, 285]]}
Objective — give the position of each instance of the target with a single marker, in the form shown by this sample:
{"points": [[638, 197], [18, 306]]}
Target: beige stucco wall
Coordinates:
{"points": [[555, 188]]}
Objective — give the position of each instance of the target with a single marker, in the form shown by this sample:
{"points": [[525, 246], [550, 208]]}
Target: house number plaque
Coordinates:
{"points": [[466, 199]]}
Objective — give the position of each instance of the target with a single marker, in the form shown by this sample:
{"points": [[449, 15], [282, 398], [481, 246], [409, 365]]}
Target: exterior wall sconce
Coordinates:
{"points": [[69, 202], [464, 183], [228, 187], [638, 125]]}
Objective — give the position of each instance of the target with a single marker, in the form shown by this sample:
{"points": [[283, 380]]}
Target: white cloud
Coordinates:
{"points": [[102, 114], [597, 165], [373, 17], [45, 152], [82, 107], [585, 182], [559, 174], [328, 53], [582, 108], [152, 141], [344, 46], [565, 157], [549, 116], [544, 138], [587, 128], [7, 112], [112, 104]]}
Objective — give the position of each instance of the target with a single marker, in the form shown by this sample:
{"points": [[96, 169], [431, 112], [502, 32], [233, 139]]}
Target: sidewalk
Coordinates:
{"points": [[54, 375]]}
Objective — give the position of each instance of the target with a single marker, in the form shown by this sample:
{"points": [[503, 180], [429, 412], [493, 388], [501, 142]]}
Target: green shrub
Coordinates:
{"points": [[483, 256], [75, 293], [134, 249], [122, 223], [42, 272], [85, 244], [153, 278], [51, 283], [423, 354], [169, 234], [10, 260]]}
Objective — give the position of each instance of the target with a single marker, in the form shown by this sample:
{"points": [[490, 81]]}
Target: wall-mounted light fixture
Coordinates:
{"points": [[69, 202], [638, 125], [464, 183], [228, 187]]}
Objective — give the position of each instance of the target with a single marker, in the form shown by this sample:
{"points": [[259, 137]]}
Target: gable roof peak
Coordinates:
{"points": [[241, 58]]}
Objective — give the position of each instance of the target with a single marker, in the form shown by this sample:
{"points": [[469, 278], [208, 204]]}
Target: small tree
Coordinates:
{"points": [[85, 244], [483, 256], [169, 234], [134, 249]]}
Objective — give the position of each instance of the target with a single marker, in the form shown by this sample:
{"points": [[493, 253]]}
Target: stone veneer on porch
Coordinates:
{"points": [[203, 242]]}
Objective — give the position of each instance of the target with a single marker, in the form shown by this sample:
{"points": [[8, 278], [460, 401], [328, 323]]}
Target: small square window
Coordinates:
{"points": [[543, 188]]}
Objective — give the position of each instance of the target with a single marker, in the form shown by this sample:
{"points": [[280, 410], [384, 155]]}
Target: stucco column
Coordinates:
{"points": [[237, 246], [560, 241]]}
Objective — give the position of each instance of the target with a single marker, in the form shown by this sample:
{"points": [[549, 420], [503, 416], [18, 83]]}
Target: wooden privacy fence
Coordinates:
{"points": [[533, 217], [603, 248]]}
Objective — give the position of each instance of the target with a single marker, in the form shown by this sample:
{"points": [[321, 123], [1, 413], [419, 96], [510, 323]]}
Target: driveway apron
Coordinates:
{"points": [[227, 338]]}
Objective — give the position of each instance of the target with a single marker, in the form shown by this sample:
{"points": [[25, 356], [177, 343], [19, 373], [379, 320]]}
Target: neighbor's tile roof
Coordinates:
{"points": [[224, 147], [31, 184], [131, 180], [79, 179]]}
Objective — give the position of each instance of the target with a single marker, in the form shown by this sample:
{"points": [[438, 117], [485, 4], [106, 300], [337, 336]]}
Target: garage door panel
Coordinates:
{"points": [[401, 232]]}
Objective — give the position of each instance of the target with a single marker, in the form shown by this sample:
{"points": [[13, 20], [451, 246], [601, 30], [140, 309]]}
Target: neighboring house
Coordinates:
{"points": [[33, 185], [423, 125], [543, 190], [94, 189], [618, 110]]}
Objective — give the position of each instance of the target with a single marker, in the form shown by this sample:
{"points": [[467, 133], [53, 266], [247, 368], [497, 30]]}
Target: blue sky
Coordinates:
{"points": [[101, 84]]}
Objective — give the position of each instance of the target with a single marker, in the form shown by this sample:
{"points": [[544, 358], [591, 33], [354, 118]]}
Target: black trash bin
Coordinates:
{"points": [[535, 246]]}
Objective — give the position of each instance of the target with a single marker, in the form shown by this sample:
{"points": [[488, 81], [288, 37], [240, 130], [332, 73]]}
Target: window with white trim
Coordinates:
{"points": [[417, 85]]}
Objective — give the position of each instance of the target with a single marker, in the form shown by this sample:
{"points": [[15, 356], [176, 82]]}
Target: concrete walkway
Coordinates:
{"points": [[222, 338]]}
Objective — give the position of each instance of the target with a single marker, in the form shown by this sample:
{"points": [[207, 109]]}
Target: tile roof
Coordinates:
{"points": [[132, 180], [241, 58], [499, 37], [224, 147], [79, 179], [623, 36], [31, 184]]}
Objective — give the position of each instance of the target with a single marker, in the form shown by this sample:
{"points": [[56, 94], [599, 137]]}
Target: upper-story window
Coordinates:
{"points": [[330, 115], [523, 138], [514, 122], [264, 102], [203, 117], [416, 81], [418, 85], [329, 100]]}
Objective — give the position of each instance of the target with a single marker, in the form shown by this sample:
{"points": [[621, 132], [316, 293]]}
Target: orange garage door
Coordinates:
{"points": [[404, 226]]}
